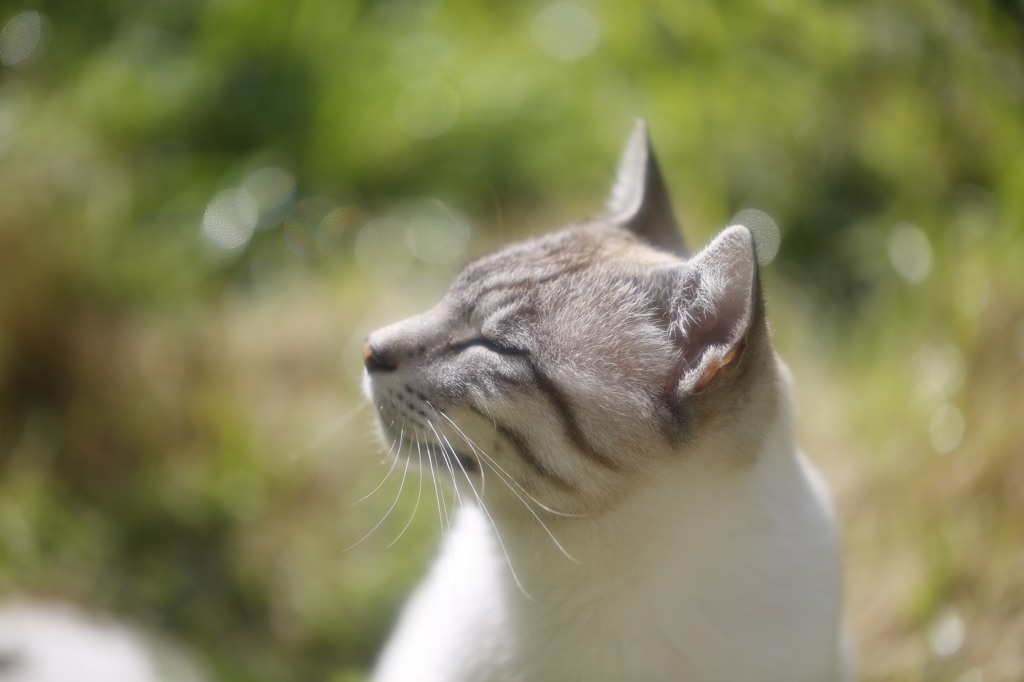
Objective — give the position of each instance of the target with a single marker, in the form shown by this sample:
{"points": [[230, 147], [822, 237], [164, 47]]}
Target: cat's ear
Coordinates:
{"points": [[639, 199], [717, 301]]}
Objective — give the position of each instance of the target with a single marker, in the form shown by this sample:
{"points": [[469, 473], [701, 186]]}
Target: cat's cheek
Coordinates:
{"points": [[480, 375]]}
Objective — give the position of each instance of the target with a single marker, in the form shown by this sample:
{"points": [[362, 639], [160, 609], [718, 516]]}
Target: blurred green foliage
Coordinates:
{"points": [[152, 385]]}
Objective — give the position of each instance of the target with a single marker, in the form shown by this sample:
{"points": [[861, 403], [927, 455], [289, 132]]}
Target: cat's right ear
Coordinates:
{"points": [[639, 199], [716, 301]]}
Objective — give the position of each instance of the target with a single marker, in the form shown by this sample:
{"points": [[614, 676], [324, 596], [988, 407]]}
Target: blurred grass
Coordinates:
{"points": [[173, 437]]}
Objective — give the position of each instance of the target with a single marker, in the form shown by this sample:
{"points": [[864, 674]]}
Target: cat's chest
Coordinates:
{"points": [[686, 600], [641, 633], [574, 625]]}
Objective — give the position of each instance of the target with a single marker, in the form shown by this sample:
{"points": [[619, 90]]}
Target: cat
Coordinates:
{"points": [[619, 429]]}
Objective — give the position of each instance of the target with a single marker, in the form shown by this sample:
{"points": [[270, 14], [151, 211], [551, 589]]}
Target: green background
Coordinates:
{"points": [[182, 436]]}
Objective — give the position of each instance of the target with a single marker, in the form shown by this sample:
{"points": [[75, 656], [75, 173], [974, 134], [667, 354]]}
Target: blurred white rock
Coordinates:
{"points": [[41, 642]]}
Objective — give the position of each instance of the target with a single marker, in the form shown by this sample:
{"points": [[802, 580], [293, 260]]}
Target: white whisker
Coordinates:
{"points": [[490, 462], [501, 543], [447, 519], [437, 494], [441, 440], [419, 494], [543, 525], [390, 509], [498, 470], [394, 463]]}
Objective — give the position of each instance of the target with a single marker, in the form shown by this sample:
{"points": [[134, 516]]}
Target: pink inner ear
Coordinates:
{"points": [[719, 364]]}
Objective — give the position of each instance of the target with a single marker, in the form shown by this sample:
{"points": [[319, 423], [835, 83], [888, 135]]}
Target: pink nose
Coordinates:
{"points": [[373, 362]]}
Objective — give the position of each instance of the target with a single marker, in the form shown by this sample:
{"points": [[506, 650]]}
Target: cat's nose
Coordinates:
{"points": [[373, 360], [399, 344]]}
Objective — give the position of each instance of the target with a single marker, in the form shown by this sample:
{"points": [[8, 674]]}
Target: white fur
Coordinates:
{"points": [[707, 571]]}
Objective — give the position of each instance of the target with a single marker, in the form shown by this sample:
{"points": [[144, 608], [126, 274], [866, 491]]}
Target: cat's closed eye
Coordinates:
{"points": [[504, 347], [495, 345]]}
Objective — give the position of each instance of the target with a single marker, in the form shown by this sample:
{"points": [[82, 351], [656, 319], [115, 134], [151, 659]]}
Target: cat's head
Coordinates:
{"points": [[573, 363]]}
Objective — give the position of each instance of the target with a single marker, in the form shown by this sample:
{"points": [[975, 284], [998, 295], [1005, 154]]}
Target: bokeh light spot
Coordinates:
{"points": [[315, 226], [763, 227], [939, 371], [380, 249], [427, 108], [335, 225], [273, 189], [910, 252], [434, 232], [21, 38], [947, 633], [565, 31], [946, 429], [230, 219]]}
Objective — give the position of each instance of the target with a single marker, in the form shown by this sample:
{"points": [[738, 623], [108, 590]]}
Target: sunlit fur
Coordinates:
{"points": [[631, 504]]}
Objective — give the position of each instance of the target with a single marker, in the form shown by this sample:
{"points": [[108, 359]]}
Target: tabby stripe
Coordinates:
{"points": [[570, 426], [526, 453], [522, 286], [518, 289]]}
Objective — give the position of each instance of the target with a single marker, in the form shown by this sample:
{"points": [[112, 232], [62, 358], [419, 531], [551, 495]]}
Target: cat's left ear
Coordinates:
{"points": [[718, 296], [639, 200]]}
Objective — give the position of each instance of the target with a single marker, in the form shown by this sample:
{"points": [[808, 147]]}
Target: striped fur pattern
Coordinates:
{"points": [[616, 424]]}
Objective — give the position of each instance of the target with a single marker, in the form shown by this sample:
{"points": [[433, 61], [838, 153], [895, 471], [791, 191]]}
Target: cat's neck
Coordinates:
{"points": [[746, 548], [697, 504]]}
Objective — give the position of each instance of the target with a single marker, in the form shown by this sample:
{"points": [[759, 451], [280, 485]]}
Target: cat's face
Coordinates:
{"points": [[568, 363]]}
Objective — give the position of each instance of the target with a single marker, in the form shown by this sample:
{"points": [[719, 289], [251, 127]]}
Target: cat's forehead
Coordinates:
{"points": [[590, 249]]}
